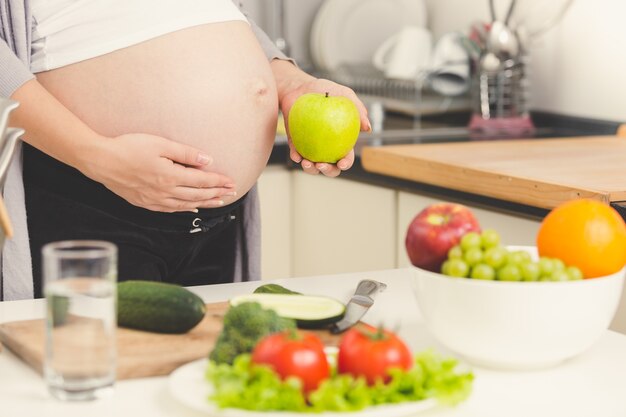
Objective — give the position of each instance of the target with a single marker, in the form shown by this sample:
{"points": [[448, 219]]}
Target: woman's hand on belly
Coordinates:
{"points": [[158, 174], [292, 83]]}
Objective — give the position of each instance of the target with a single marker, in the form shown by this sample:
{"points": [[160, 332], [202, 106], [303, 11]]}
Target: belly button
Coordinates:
{"points": [[260, 88]]}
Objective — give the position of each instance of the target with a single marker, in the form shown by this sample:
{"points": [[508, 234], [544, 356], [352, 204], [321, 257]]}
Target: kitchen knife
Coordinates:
{"points": [[358, 305]]}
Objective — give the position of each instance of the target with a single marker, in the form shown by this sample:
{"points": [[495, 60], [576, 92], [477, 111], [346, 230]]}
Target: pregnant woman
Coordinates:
{"points": [[147, 123]]}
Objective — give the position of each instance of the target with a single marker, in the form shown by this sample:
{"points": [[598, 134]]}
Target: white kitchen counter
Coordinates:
{"points": [[589, 385]]}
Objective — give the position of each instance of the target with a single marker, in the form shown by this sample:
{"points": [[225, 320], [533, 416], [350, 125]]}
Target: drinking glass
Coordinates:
{"points": [[79, 286]]}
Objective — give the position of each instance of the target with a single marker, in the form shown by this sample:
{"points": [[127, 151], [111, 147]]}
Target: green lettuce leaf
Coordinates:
{"points": [[249, 386]]}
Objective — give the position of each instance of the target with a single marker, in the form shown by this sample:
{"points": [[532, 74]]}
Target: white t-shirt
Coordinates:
{"points": [[70, 31]]}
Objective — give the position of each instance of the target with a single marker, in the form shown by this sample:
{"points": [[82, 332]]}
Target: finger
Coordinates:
{"points": [[197, 195], [211, 203], [328, 170], [346, 162], [294, 155], [177, 205], [193, 177], [185, 154], [366, 126], [168, 209], [309, 168]]}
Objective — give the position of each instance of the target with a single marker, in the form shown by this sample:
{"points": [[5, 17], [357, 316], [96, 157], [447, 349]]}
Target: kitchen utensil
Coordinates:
{"points": [[349, 31], [6, 106], [500, 96], [517, 325], [358, 305], [509, 13], [499, 82], [502, 40], [8, 142], [7, 149], [278, 26], [8, 137], [405, 54], [5, 223], [139, 354]]}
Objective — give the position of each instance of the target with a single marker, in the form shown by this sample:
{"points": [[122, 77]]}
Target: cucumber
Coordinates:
{"points": [[273, 289], [158, 307], [308, 311]]}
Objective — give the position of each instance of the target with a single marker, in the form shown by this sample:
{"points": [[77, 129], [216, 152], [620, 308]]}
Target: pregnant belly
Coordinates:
{"points": [[208, 86]]}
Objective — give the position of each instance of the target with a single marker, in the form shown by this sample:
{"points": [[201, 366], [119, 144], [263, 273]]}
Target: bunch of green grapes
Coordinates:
{"points": [[481, 256]]}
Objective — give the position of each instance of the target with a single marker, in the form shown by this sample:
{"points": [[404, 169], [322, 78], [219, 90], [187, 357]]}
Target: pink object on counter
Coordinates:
{"points": [[501, 126]]}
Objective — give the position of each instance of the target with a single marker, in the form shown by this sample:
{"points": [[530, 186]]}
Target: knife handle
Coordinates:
{"points": [[369, 287]]}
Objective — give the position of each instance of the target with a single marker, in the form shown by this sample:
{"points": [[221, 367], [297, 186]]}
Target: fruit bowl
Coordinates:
{"points": [[517, 325]]}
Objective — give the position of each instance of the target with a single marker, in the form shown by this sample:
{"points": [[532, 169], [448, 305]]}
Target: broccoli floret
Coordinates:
{"points": [[244, 325]]}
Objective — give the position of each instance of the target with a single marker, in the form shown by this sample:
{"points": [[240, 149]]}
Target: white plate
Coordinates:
{"points": [[349, 31], [188, 385]]}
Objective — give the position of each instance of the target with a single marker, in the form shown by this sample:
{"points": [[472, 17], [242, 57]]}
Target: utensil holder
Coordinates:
{"points": [[500, 97]]}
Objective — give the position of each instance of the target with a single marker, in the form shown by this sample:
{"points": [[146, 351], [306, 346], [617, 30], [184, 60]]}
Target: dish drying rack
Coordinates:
{"points": [[412, 97]]}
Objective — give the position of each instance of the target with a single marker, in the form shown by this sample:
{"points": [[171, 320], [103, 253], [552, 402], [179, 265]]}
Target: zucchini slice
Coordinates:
{"points": [[309, 311]]}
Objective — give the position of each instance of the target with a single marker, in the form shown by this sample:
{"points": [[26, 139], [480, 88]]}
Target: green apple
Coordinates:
{"points": [[323, 128]]}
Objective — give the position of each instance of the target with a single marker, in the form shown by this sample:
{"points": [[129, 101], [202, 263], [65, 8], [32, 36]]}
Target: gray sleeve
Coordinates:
{"points": [[270, 50], [13, 72]]}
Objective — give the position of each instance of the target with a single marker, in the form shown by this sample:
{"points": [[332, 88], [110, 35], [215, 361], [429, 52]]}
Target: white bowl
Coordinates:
{"points": [[517, 325]]}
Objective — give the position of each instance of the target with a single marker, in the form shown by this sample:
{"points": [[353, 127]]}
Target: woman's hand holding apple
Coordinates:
{"points": [[322, 86]]}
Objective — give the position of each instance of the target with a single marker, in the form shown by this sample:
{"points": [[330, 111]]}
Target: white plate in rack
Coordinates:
{"points": [[349, 31]]}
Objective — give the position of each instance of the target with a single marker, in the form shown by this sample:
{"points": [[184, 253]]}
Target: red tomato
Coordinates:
{"points": [[371, 352], [299, 354]]}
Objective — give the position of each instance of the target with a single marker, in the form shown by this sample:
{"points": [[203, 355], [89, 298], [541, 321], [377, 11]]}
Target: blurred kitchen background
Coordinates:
{"points": [[572, 82], [576, 67]]}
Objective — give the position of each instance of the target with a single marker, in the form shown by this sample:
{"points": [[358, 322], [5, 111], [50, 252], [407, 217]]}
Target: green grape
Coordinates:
{"points": [[495, 257], [483, 271], [457, 268], [489, 238], [559, 275], [473, 256], [455, 252], [546, 266], [525, 256], [510, 272], [559, 265], [518, 257], [574, 273], [530, 271], [445, 268], [470, 240]]}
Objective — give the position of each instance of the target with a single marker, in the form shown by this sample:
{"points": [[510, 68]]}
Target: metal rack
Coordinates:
{"points": [[412, 97]]}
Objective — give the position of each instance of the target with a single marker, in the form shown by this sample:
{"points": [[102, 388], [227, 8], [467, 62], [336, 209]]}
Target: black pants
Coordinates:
{"points": [[182, 248]]}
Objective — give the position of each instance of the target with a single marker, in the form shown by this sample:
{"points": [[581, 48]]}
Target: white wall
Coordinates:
{"points": [[578, 68]]}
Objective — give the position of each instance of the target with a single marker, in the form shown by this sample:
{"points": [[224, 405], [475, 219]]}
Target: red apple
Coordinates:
{"points": [[435, 230]]}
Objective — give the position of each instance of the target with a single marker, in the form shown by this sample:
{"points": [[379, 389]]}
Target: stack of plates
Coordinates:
{"points": [[349, 31]]}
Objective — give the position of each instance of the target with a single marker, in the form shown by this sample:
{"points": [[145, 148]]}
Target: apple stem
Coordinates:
{"points": [[327, 94]]}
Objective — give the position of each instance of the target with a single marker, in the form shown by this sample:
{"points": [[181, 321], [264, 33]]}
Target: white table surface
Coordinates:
{"points": [[593, 384]]}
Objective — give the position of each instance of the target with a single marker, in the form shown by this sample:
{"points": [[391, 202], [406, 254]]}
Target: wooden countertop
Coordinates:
{"points": [[536, 172]]}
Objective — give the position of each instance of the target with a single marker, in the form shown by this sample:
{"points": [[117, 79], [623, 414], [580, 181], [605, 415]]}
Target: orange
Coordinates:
{"points": [[585, 233]]}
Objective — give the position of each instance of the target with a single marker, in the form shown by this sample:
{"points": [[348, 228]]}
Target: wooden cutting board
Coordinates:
{"points": [[537, 172], [140, 354]]}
